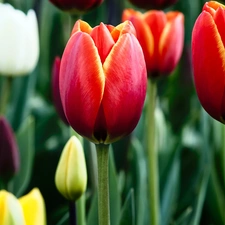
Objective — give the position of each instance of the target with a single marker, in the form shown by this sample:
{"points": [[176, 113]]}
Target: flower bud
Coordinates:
{"points": [[71, 174], [153, 4], [33, 208], [9, 155], [76, 6], [10, 210], [55, 90]]}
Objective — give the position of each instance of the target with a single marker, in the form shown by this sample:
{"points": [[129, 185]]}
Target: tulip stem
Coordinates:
{"points": [[72, 210], [223, 154], [103, 184], [80, 206], [152, 154], [5, 91]]}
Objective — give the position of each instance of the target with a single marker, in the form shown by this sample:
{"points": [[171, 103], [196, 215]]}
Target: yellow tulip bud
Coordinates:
{"points": [[33, 208], [11, 212], [71, 173]]}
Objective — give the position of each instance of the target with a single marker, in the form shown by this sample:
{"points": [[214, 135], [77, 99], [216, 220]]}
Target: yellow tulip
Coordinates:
{"points": [[33, 208], [71, 174], [10, 209]]}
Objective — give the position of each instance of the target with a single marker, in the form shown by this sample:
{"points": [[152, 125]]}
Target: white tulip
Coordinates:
{"points": [[19, 41]]}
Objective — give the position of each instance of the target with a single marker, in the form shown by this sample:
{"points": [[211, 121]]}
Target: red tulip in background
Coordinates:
{"points": [[208, 56], [55, 90], [161, 36], [103, 81], [9, 155], [76, 5], [153, 4]]}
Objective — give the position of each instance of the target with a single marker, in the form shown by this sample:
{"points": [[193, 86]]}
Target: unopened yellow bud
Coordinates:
{"points": [[33, 208], [11, 212], [71, 173]]}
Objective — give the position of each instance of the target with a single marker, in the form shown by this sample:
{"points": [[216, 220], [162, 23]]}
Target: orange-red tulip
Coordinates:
{"points": [[208, 55], [103, 81], [76, 5], [153, 4], [161, 36]]}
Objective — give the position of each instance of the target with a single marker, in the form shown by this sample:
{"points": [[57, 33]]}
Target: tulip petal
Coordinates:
{"points": [[81, 25], [103, 41], [219, 19], [171, 43], [11, 210], [125, 87], [33, 208], [156, 21], [81, 83], [144, 35], [208, 62]]}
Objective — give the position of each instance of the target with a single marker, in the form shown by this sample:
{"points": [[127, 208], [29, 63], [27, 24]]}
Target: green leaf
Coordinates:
{"points": [[92, 218], [139, 175], [25, 139], [170, 190], [127, 216]]}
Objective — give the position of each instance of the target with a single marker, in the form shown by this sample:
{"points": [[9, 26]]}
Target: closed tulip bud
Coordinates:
{"points": [[208, 56], [19, 41], [33, 207], [103, 81], [10, 210], [55, 90], [9, 155], [161, 36], [76, 6], [153, 4], [71, 174]]}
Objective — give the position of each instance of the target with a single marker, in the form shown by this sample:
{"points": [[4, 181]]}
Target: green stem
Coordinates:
{"points": [[5, 92], [103, 184], [223, 154], [152, 155], [80, 206]]}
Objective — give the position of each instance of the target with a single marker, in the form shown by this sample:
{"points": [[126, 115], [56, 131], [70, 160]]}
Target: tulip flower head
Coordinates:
{"points": [[33, 208], [76, 6], [161, 36], [55, 90], [208, 56], [10, 210], [9, 155], [153, 4], [19, 41], [71, 173], [103, 81]]}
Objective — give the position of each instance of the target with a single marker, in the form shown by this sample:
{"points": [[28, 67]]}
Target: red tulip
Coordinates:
{"points": [[103, 81], [208, 56], [76, 5], [153, 4], [161, 36], [55, 89], [9, 155]]}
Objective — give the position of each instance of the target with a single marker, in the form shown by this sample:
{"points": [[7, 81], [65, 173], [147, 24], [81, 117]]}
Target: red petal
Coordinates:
{"points": [[125, 87], [81, 83], [81, 25], [219, 19], [144, 36], [208, 62], [103, 41], [171, 44]]}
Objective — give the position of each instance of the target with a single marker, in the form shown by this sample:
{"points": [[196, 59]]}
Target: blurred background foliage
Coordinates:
{"points": [[191, 145]]}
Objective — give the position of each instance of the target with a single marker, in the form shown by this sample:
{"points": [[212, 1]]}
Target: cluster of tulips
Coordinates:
{"points": [[99, 88]]}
